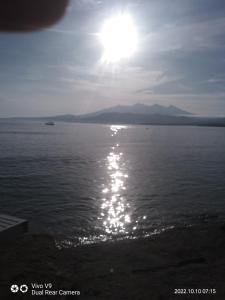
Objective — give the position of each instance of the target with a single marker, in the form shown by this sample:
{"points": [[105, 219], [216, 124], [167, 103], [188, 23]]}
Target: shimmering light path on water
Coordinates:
{"points": [[115, 207]]}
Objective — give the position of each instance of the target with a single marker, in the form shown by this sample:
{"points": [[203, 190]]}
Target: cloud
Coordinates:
{"points": [[181, 58], [2, 99]]}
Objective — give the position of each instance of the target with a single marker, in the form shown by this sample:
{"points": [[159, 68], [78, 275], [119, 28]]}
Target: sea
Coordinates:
{"points": [[86, 183]]}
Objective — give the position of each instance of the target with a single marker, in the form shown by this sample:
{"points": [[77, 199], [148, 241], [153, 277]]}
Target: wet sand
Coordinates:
{"points": [[151, 268]]}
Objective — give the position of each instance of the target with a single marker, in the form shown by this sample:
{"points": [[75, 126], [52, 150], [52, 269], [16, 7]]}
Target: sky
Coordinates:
{"points": [[179, 60]]}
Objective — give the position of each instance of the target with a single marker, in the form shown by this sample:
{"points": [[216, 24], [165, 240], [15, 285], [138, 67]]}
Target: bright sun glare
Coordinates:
{"points": [[119, 38]]}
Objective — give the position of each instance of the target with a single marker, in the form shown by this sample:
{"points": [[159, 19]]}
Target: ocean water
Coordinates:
{"points": [[95, 182]]}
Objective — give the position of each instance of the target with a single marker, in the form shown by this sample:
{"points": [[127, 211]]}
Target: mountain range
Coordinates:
{"points": [[126, 113], [143, 109]]}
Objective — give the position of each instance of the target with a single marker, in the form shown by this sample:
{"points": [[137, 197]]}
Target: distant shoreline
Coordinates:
{"points": [[44, 120]]}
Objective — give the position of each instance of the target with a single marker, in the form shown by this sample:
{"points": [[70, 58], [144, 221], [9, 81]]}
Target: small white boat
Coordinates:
{"points": [[50, 123]]}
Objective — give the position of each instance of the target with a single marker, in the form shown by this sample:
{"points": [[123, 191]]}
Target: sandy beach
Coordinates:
{"points": [[185, 263]]}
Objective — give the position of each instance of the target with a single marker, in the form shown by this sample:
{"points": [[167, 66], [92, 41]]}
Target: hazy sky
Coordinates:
{"points": [[180, 60]]}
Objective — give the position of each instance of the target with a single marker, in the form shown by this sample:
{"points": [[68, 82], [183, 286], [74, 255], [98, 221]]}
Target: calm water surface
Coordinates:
{"points": [[94, 182]]}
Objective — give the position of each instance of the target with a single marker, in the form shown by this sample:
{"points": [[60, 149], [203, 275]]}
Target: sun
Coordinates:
{"points": [[118, 37]]}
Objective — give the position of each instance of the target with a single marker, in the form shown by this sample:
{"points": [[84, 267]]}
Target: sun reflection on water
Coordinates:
{"points": [[115, 213], [117, 218]]}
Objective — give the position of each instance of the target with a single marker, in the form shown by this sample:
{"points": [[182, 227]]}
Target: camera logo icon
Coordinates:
{"points": [[15, 288], [23, 288]]}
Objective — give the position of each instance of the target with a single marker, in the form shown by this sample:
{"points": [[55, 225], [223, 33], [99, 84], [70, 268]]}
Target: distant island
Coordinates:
{"points": [[134, 114], [143, 109]]}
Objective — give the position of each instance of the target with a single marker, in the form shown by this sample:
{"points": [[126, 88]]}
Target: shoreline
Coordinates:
{"points": [[149, 268]]}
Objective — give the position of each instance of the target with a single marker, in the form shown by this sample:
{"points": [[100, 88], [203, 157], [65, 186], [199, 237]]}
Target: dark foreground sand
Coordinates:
{"points": [[132, 269]]}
